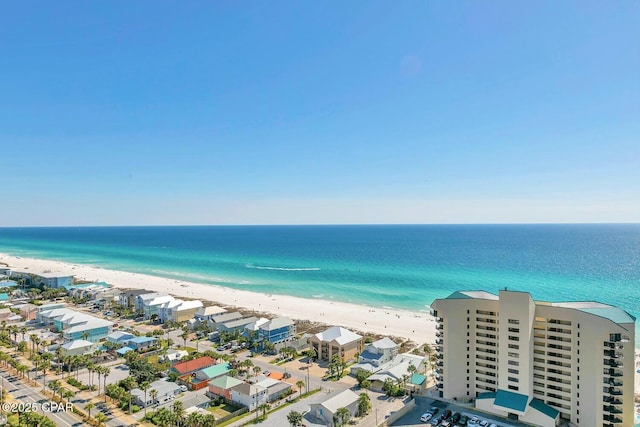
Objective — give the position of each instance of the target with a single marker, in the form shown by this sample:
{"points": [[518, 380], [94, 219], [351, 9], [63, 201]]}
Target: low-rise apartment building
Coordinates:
{"points": [[337, 341]]}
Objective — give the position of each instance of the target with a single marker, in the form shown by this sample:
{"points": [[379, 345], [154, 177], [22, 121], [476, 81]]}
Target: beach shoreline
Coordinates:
{"points": [[418, 327]]}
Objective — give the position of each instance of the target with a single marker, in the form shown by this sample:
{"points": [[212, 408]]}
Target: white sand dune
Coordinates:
{"points": [[416, 326]]}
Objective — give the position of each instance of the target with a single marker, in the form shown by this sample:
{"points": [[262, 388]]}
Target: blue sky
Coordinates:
{"points": [[154, 112]]}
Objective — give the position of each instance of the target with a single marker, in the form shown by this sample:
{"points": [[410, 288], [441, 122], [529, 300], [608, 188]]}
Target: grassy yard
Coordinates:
{"points": [[222, 410]]}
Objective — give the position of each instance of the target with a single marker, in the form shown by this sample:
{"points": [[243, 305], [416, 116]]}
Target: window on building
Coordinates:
{"points": [[514, 321], [513, 387]]}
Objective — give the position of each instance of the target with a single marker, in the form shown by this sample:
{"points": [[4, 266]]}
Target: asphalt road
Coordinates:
{"points": [[23, 393]]}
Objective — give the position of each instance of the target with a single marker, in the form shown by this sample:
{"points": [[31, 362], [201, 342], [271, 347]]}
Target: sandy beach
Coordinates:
{"points": [[416, 326]]}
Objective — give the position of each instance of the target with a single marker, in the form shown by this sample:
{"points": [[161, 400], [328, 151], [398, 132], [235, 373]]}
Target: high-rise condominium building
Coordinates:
{"points": [[536, 361]]}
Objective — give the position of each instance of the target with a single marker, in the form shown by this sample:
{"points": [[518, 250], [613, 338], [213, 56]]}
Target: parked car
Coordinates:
{"points": [[446, 414], [426, 417], [456, 417], [266, 373], [183, 388], [436, 421], [463, 421], [433, 410], [483, 423]]}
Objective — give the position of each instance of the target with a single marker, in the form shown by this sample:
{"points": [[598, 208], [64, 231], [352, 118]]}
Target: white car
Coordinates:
{"points": [[183, 388], [426, 417], [484, 423]]}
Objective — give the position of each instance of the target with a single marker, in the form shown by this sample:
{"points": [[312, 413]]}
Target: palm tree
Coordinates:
{"points": [[33, 338], [256, 370], [341, 416], [144, 387], [89, 406], [364, 404], [85, 335], [153, 393], [264, 407], [105, 374], [59, 358], [45, 364], [184, 336], [23, 331], [21, 369], [101, 418], [294, 418], [14, 332], [300, 384], [54, 386], [178, 412]]}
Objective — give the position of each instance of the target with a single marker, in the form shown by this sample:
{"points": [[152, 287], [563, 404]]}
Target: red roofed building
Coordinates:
{"points": [[190, 366]]}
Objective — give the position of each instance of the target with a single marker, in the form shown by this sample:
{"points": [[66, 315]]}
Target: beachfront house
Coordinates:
{"points": [[337, 341], [177, 310], [375, 356], [398, 370], [236, 325], [221, 386], [128, 298], [277, 330], [215, 322], [204, 314], [51, 280], [251, 330], [164, 391], [248, 395], [151, 308], [5, 272], [143, 299], [379, 352], [328, 409]]}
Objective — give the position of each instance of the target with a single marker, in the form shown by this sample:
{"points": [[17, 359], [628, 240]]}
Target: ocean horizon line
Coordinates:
{"points": [[323, 225]]}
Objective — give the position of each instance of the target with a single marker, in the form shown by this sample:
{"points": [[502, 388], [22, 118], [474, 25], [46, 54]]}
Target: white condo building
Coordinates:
{"points": [[538, 362]]}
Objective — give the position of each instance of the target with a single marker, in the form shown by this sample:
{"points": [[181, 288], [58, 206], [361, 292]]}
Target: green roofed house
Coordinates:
{"points": [[417, 383], [202, 377], [219, 387], [542, 363]]}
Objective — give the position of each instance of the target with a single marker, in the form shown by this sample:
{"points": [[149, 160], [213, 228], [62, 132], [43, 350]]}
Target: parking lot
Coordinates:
{"points": [[423, 404]]}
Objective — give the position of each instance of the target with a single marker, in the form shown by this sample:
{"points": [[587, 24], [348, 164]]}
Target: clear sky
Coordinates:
{"points": [[155, 112]]}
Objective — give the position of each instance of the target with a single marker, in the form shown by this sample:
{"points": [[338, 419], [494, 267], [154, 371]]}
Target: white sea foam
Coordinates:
{"points": [[258, 267]]}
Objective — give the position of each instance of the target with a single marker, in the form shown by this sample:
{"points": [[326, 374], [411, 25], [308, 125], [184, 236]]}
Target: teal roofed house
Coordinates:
{"points": [[202, 377]]}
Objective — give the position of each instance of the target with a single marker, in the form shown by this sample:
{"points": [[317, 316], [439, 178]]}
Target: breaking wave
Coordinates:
{"points": [[258, 267]]}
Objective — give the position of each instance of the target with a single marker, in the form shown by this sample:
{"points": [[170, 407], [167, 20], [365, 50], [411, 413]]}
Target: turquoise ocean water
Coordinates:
{"points": [[399, 266]]}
